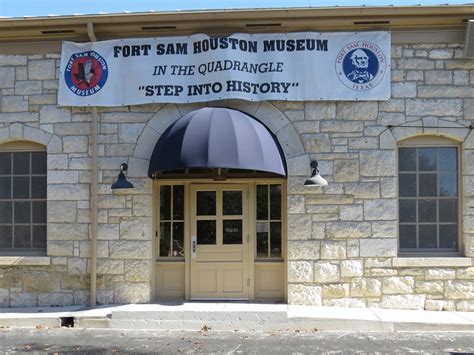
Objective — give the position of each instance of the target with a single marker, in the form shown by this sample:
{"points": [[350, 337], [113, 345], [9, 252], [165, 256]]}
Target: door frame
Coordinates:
{"points": [[251, 183]]}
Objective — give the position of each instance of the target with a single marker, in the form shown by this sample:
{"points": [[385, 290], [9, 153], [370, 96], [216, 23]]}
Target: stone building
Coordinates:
{"points": [[394, 228]]}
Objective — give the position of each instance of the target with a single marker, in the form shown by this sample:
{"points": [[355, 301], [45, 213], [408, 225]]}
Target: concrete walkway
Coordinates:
{"points": [[237, 316]]}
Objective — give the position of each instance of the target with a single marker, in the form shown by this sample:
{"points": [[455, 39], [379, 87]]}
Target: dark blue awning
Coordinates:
{"points": [[217, 138]]}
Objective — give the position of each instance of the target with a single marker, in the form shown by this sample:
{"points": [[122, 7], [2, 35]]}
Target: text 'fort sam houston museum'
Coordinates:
{"points": [[313, 156]]}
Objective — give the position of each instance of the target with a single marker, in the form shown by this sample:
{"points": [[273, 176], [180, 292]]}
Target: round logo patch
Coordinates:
{"points": [[86, 73], [361, 65]]}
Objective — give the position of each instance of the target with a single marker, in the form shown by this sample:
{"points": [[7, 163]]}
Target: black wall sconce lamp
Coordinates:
{"points": [[122, 182], [315, 180]]}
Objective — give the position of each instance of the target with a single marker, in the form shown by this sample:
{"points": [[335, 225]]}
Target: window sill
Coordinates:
{"points": [[25, 260], [432, 262]]}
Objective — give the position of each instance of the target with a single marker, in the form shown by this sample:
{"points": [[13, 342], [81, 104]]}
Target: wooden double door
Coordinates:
{"points": [[219, 242]]}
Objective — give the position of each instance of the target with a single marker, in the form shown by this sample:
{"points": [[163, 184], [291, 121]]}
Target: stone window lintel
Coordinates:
{"points": [[25, 260], [432, 262]]}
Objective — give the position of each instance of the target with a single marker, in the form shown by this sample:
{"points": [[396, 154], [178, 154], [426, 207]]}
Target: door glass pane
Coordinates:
{"points": [[231, 203], [178, 202], [23, 212], [448, 236], [448, 210], [427, 211], [38, 186], [448, 160], [206, 232], [5, 187], [165, 202], [428, 185], [427, 236], [22, 237], [427, 159], [39, 237], [5, 163], [232, 231], [275, 239], [448, 186], [275, 201], [206, 203], [407, 185], [165, 239], [5, 212], [38, 163], [262, 202], [262, 239], [21, 163], [5, 236], [407, 159], [178, 239], [407, 236], [39, 212], [21, 187], [407, 209]]}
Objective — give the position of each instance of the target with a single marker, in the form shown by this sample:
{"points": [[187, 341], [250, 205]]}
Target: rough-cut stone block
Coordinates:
{"points": [[328, 200], [129, 249], [463, 290], [352, 268], [75, 144], [333, 250], [351, 213], [377, 163], [23, 299], [378, 247], [345, 302], [135, 228], [60, 248], [61, 211], [273, 118], [317, 143], [363, 111], [319, 110], [76, 266], [68, 231], [132, 293], [438, 305], [403, 302], [55, 299], [300, 271], [7, 77], [366, 287], [397, 285], [68, 192], [439, 77], [110, 267], [429, 287], [404, 89], [299, 226], [138, 270], [303, 250], [380, 209], [384, 229], [304, 295], [440, 274], [41, 69], [290, 141], [347, 230], [40, 282], [326, 272], [363, 189], [336, 291], [434, 107], [129, 132], [54, 114], [346, 170]]}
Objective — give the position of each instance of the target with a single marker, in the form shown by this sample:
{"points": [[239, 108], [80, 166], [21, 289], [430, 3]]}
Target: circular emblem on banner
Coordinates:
{"points": [[86, 73], [361, 65]]}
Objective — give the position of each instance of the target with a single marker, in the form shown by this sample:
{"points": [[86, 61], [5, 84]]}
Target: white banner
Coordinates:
{"points": [[273, 66]]}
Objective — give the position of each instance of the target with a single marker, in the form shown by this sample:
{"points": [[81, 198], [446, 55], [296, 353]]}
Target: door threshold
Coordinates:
{"points": [[206, 299]]}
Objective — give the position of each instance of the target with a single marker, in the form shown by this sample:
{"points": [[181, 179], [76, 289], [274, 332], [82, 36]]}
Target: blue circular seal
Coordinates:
{"points": [[361, 65], [86, 73]]}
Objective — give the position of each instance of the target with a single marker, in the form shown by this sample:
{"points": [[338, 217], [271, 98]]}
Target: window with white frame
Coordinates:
{"points": [[428, 197], [269, 221], [22, 199], [171, 221]]}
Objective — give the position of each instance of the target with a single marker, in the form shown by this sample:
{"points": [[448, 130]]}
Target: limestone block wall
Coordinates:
{"points": [[342, 247], [342, 239]]}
